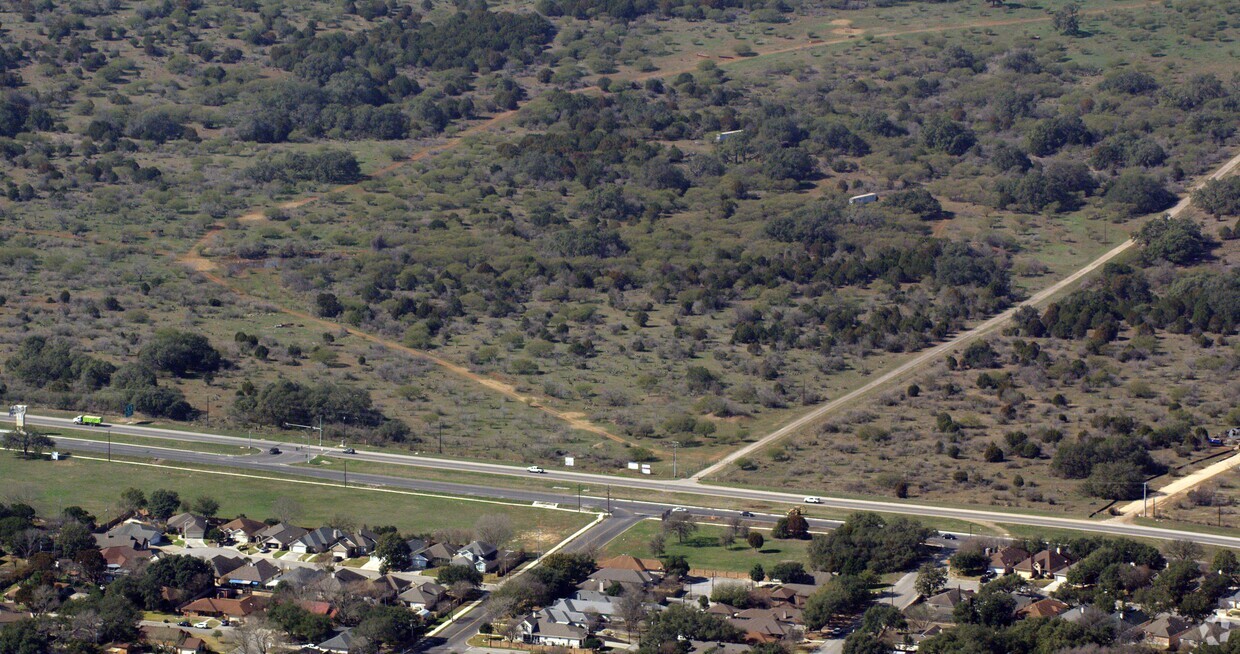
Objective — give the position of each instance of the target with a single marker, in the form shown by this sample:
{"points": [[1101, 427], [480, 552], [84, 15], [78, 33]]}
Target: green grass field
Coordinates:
{"points": [[703, 550], [96, 486]]}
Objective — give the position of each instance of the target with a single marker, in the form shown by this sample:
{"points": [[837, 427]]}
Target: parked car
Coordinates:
{"points": [[202, 625], [813, 499], [348, 450], [274, 450], [947, 536], [183, 623], [535, 470]]}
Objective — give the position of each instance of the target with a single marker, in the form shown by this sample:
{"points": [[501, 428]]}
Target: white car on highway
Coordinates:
{"points": [[813, 499], [535, 469]]}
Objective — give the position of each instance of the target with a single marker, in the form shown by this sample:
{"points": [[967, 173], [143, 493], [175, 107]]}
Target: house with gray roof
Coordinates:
{"points": [[137, 535], [536, 630], [280, 536], [189, 525], [316, 542]]}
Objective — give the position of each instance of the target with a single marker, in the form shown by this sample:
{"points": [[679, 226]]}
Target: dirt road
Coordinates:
{"points": [[935, 353]]}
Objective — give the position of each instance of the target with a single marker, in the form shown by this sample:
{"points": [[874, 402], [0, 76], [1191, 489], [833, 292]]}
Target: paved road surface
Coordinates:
{"points": [[269, 463]]}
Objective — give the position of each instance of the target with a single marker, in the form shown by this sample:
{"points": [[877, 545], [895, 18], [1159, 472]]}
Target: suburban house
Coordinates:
{"points": [[634, 580], [316, 542], [242, 530], [221, 565], [440, 554], [123, 558], [300, 577], [1046, 563], [189, 525], [389, 585], [341, 643], [424, 596], [479, 555], [351, 545], [257, 573], [1208, 633], [225, 607], [1043, 608], [1164, 631], [540, 631], [418, 559], [172, 639], [768, 625], [280, 536], [1005, 560], [137, 535]]}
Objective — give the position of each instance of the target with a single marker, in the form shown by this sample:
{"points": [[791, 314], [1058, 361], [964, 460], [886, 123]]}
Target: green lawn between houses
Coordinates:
{"points": [[50, 486], [703, 551]]}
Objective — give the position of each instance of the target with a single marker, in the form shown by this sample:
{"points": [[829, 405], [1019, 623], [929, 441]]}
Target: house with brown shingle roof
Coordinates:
{"points": [[1004, 560], [217, 607], [1043, 608], [1043, 564], [242, 530], [1165, 631], [121, 558]]}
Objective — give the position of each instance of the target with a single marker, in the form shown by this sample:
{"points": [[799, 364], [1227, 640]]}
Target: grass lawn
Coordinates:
{"points": [[703, 550], [96, 486]]}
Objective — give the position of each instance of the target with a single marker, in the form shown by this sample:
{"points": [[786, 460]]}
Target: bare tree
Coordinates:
{"points": [[1183, 550], [494, 529], [257, 636], [632, 609], [679, 524], [27, 542], [286, 509]]}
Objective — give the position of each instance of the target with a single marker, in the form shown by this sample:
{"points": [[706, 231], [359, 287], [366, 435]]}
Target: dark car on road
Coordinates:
{"points": [[274, 450], [746, 514]]}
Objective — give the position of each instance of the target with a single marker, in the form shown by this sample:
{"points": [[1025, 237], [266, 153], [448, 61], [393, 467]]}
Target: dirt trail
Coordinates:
{"points": [[1179, 487], [935, 353], [572, 419], [194, 260]]}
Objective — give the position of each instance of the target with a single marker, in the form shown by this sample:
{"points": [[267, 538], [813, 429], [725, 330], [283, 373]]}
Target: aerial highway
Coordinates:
{"points": [[280, 463]]}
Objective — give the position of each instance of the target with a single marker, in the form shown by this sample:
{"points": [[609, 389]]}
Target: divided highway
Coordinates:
{"points": [[279, 463]]}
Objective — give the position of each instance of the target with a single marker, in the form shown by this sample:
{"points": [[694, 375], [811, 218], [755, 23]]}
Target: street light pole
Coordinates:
{"points": [[1145, 495], [109, 446], [306, 435], [675, 446], [346, 472]]}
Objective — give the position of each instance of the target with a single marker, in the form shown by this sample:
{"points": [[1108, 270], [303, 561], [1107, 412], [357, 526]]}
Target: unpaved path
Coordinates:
{"points": [[1179, 487], [935, 353]]}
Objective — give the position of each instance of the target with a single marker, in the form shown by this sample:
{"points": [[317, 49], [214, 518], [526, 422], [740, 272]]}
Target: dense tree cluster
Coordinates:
{"points": [[869, 542], [285, 401]]}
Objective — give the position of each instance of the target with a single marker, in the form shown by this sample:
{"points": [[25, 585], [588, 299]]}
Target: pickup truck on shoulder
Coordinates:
{"points": [[88, 420]]}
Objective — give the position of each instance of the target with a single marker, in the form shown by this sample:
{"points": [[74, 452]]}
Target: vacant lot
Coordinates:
{"points": [[96, 486], [703, 550]]}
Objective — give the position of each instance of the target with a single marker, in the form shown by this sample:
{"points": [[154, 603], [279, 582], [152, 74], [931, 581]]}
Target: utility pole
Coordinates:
{"points": [[675, 446], [1145, 496], [109, 446], [578, 498], [609, 502], [346, 472], [439, 423]]}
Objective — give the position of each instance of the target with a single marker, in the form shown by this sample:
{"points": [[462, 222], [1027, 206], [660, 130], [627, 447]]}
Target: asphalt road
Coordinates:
{"points": [[263, 461], [455, 637]]}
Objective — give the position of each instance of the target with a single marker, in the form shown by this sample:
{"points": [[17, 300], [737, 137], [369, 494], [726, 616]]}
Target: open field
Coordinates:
{"points": [[465, 293], [96, 486], [702, 549]]}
